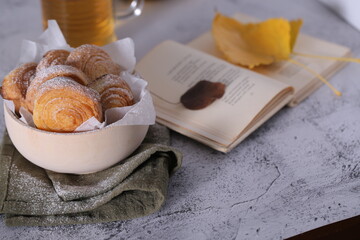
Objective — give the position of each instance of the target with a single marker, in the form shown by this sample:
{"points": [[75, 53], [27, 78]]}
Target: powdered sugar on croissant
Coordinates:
{"points": [[50, 73], [93, 61], [114, 91], [16, 83], [52, 58], [62, 105]]}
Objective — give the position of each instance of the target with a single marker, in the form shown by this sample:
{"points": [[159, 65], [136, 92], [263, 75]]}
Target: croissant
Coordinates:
{"points": [[16, 83], [61, 105], [114, 91], [52, 58], [93, 61], [49, 73]]}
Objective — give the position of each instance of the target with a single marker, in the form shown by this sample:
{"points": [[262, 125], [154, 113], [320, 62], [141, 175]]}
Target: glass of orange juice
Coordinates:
{"points": [[88, 21]]}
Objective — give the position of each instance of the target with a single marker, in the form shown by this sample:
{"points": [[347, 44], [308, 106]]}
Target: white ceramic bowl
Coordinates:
{"points": [[77, 153]]}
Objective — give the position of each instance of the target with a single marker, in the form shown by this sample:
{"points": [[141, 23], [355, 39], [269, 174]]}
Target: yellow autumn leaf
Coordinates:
{"points": [[254, 44], [295, 26]]}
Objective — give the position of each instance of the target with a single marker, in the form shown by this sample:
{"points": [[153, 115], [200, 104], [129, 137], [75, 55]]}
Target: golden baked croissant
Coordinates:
{"points": [[93, 61], [16, 83], [49, 73], [114, 91], [62, 105], [52, 58]]}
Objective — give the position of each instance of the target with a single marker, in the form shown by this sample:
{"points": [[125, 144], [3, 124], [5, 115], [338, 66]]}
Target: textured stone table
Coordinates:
{"points": [[297, 172]]}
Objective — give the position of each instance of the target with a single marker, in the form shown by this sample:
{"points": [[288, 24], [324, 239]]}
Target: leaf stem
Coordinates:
{"points": [[337, 92], [343, 59]]}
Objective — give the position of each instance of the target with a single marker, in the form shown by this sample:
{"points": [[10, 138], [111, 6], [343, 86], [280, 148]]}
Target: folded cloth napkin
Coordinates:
{"points": [[135, 187]]}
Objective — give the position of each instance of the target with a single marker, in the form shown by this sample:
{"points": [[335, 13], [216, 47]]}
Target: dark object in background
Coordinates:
{"points": [[348, 229], [202, 94]]}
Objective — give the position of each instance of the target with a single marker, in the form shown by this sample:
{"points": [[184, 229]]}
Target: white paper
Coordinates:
{"points": [[347, 9], [121, 52]]}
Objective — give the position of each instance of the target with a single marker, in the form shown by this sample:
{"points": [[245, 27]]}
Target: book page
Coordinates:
{"points": [[303, 81], [171, 69]]}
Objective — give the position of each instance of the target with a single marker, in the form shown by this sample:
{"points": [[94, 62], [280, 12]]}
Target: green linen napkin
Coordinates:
{"points": [[135, 187]]}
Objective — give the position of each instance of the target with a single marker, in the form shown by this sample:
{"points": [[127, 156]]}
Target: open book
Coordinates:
{"points": [[251, 97]]}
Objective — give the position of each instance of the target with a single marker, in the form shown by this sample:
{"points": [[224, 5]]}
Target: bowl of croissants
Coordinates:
{"points": [[62, 91]]}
